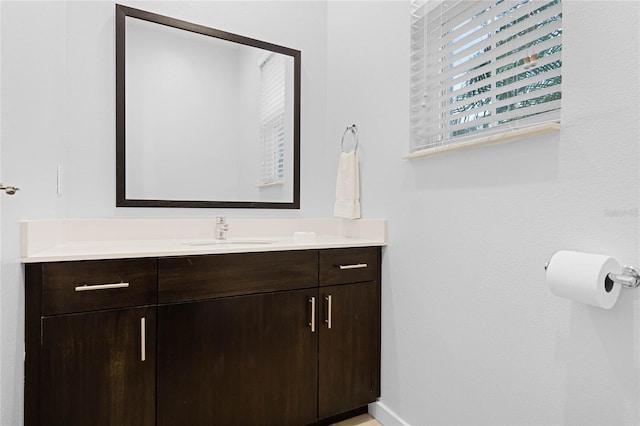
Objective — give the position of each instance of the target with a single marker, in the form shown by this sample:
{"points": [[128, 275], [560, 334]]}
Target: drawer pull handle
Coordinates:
{"points": [[101, 286], [328, 320], [143, 339], [313, 314], [354, 266]]}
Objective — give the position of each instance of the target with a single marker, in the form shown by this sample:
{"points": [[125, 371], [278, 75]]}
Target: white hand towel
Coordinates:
{"points": [[348, 187]]}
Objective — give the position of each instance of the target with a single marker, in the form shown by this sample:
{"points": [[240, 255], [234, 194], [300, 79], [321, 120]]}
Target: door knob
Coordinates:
{"points": [[10, 190]]}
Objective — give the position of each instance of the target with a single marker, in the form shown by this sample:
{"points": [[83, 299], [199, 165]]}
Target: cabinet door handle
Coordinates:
{"points": [[87, 287], [143, 339], [313, 314], [328, 320], [354, 266]]}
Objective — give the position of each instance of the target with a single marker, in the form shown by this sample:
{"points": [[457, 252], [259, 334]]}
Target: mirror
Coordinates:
{"points": [[204, 118]]}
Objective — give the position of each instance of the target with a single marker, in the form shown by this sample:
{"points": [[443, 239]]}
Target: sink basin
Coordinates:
{"points": [[227, 242]]}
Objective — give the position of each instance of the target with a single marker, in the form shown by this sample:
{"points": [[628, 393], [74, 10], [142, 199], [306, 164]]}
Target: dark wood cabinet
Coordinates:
{"points": [[241, 350], [248, 360], [349, 333], [98, 368], [272, 338], [90, 350], [349, 347]]}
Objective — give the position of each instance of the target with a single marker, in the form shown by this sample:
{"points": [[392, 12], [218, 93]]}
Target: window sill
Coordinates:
{"points": [[266, 185], [487, 140]]}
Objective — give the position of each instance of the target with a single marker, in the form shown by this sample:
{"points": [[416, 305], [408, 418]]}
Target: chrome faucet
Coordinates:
{"points": [[221, 228]]}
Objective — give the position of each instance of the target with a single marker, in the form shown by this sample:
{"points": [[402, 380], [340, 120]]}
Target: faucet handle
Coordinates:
{"points": [[221, 227]]}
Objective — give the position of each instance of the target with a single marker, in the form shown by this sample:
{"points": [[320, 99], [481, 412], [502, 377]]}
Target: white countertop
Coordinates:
{"points": [[90, 239]]}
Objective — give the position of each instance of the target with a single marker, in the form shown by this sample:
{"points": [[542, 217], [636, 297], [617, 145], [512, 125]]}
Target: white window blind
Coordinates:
{"points": [[272, 104], [479, 68]]}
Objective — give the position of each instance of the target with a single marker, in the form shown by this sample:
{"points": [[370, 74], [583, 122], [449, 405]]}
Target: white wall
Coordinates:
{"points": [[58, 106], [471, 334], [33, 79], [1, 321]]}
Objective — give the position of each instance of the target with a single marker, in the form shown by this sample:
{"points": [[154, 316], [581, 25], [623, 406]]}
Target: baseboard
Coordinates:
{"points": [[385, 416]]}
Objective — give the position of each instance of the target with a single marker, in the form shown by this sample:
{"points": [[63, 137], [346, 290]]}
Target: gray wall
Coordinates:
{"points": [[471, 335]]}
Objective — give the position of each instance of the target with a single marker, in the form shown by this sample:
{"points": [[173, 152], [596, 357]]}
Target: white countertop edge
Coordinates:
{"points": [[91, 239], [58, 255]]}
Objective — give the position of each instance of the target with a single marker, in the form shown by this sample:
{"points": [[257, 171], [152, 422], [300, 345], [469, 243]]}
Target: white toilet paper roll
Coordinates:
{"points": [[582, 277]]}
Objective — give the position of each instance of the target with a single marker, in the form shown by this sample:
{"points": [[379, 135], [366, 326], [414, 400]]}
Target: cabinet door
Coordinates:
{"points": [[246, 360], [99, 368], [349, 347]]}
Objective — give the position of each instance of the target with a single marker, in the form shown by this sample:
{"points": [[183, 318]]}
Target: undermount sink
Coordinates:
{"points": [[227, 242]]}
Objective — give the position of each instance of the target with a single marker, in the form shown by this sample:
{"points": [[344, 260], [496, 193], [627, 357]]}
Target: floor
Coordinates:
{"points": [[363, 420]]}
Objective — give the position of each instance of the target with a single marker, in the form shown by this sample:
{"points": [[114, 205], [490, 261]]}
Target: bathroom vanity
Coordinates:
{"points": [[277, 333]]}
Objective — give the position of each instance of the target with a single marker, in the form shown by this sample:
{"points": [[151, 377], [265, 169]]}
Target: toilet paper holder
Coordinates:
{"points": [[628, 278]]}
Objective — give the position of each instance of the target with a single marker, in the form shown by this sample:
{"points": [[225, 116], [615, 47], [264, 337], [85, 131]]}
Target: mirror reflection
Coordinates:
{"points": [[210, 120]]}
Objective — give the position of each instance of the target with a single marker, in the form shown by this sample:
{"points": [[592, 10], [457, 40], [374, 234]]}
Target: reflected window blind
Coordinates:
{"points": [[480, 68], [272, 72]]}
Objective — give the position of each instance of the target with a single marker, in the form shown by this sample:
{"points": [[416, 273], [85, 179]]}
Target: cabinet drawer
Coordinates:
{"points": [[187, 278], [340, 266], [69, 287]]}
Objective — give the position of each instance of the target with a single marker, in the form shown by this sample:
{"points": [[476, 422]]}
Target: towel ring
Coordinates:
{"points": [[354, 131]]}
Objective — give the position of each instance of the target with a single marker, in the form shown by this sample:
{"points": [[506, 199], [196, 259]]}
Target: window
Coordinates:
{"points": [[481, 68], [272, 88]]}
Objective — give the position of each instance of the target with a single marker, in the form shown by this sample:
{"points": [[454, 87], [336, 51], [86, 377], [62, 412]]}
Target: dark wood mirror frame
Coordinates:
{"points": [[121, 198]]}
